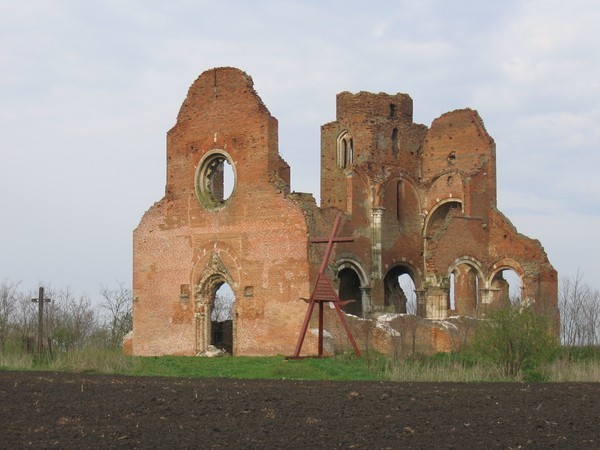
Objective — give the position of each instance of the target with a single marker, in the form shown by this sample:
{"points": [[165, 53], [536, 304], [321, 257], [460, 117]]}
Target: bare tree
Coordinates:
{"points": [[26, 320], [222, 307], [8, 304], [71, 320], [579, 312], [117, 304]]}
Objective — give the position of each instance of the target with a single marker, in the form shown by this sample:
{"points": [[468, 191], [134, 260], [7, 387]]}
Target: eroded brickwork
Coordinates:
{"points": [[420, 202], [192, 241]]}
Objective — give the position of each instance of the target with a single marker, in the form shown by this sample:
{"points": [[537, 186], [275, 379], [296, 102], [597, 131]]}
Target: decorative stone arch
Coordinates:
{"points": [[394, 296], [498, 286], [474, 263], [210, 273], [226, 260], [210, 183], [467, 286], [215, 273], [506, 263], [353, 284], [344, 150], [351, 262], [411, 268]]}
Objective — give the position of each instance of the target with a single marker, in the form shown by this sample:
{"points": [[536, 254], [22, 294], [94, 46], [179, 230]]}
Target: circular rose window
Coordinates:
{"points": [[215, 179]]}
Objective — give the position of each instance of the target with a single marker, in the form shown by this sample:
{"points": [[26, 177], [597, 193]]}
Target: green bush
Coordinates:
{"points": [[582, 354], [518, 339]]}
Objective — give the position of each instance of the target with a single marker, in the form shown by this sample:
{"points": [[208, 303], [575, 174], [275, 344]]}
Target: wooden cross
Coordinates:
{"points": [[41, 300], [323, 292]]}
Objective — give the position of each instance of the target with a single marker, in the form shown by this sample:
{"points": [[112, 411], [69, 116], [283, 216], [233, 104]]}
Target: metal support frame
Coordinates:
{"points": [[323, 293]]}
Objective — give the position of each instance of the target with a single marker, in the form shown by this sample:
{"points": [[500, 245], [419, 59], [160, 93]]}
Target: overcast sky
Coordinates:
{"points": [[88, 90]]}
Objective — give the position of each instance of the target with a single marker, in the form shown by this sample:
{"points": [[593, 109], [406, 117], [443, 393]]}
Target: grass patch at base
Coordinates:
{"points": [[270, 367], [91, 360], [572, 364]]}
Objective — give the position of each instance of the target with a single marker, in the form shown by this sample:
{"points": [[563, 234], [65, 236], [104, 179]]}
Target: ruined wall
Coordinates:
{"points": [[419, 202], [194, 240], [423, 204]]}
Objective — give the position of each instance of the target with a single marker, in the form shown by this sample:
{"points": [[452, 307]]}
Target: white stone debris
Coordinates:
{"points": [[212, 352]]}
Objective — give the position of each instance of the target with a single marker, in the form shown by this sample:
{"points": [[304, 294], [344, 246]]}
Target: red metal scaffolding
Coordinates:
{"points": [[323, 292]]}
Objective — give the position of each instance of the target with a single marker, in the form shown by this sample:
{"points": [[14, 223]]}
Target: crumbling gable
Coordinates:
{"points": [[200, 235], [419, 202]]}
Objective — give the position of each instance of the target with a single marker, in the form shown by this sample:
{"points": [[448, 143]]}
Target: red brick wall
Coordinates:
{"points": [[259, 235]]}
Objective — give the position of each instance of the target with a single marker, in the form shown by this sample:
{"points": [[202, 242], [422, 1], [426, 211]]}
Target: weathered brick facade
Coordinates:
{"points": [[418, 201]]}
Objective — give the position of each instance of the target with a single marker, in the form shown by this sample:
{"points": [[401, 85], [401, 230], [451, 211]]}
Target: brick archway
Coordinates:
{"points": [[353, 285], [395, 295], [467, 282], [211, 279]]}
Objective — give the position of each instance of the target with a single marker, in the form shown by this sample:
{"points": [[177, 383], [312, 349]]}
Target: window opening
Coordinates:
{"points": [[452, 293], [345, 151], [215, 180], [508, 285], [351, 154], [399, 195], [395, 141], [464, 290]]}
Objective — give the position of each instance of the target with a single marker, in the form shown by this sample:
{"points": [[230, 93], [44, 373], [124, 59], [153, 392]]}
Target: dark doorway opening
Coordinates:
{"points": [[350, 290]]}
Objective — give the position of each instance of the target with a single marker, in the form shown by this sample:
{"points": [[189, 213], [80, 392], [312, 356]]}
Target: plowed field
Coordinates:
{"points": [[57, 410]]}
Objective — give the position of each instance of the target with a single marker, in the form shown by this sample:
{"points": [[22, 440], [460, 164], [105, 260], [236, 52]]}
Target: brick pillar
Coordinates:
{"points": [[378, 292], [349, 191], [365, 294], [487, 298], [421, 302], [376, 214], [436, 303], [201, 331]]}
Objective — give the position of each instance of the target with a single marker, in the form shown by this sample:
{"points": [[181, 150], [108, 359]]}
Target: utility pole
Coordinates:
{"points": [[40, 300]]}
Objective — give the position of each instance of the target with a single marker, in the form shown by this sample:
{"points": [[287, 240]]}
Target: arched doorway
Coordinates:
{"points": [[350, 290], [215, 314], [400, 291], [221, 318]]}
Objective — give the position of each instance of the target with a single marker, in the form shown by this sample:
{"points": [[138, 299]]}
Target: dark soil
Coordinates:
{"points": [[42, 410]]}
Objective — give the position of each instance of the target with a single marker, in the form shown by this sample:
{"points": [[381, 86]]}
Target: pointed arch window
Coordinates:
{"points": [[345, 151]]}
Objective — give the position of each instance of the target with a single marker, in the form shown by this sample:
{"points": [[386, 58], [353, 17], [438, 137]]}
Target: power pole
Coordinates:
{"points": [[40, 300]]}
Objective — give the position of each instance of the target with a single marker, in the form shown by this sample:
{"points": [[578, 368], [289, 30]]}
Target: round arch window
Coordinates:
{"points": [[215, 179]]}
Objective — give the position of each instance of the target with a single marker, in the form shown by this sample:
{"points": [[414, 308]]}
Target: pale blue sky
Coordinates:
{"points": [[88, 91]]}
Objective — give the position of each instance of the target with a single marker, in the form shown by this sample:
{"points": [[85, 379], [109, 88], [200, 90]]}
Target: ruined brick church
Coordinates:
{"points": [[419, 202]]}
